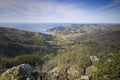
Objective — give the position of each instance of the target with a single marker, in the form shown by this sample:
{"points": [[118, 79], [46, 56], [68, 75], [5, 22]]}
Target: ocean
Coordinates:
{"points": [[34, 27]]}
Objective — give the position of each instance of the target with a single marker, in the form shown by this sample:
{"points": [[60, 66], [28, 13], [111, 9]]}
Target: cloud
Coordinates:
{"points": [[39, 10], [109, 12], [53, 11], [110, 5]]}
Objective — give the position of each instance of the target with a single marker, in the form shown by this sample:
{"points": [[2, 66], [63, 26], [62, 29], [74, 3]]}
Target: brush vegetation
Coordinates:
{"points": [[94, 51]]}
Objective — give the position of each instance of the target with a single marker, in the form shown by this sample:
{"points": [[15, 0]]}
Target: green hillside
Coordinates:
{"points": [[64, 56], [15, 42]]}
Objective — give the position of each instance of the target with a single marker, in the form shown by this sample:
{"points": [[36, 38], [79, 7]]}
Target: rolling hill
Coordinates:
{"points": [[100, 33], [15, 42], [90, 51], [84, 28]]}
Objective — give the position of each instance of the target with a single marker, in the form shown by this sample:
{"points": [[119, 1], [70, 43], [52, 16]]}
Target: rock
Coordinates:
{"points": [[109, 60], [20, 72], [91, 70], [55, 72], [85, 77], [28, 79], [58, 73], [75, 71], [94, 58], [56, 69]]}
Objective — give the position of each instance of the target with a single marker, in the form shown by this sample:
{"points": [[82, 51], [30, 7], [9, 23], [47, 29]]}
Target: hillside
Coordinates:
{"points": [[92, 54], [99, 33], [15, 42], [84, 28], [89, 55]]}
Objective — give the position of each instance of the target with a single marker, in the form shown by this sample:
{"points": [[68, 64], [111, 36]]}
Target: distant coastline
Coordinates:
{"points": [[40, 27], [34, 27]]}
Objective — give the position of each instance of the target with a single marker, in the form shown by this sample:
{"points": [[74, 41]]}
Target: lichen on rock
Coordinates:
{"points": [[20, 72]]}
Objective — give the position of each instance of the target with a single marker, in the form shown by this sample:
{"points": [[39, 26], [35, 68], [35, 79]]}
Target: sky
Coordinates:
{"points": [[59, 11]]}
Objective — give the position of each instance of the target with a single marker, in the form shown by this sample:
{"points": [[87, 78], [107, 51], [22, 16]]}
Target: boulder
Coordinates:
{"points": [[58, 73], [75, 71], [94, 58], [85, 77], [91, 70], [20, 72], [55, 70]]}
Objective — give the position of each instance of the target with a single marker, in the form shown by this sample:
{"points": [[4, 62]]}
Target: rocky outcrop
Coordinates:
{"points": [[94, 58], [75, 71], [20, 72], [91, 70], [61, 72], [85, 77], [58, 73]]}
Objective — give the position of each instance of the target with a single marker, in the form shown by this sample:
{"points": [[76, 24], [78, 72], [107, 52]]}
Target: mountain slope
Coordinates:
{"points": [[17, 42], [100, 33], [84, 28]]}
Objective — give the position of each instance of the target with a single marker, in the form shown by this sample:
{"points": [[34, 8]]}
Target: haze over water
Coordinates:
{"points": [[35, 27]]}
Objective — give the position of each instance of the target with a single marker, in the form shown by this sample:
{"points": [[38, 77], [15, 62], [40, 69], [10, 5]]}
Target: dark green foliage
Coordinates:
{"points": [[6, 62], [15, 42], [109, 67], [32, 59]]}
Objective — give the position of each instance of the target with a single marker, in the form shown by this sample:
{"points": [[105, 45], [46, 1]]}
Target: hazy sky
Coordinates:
{"points": [[75, 11]]}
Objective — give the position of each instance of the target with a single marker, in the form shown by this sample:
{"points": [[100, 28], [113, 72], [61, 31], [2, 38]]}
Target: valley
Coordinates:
{"points": [[73, 52]]}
